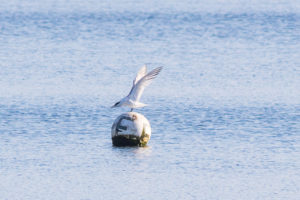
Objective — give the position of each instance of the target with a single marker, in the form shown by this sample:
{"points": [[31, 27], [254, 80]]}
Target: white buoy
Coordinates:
{"points": [[130, 129]]}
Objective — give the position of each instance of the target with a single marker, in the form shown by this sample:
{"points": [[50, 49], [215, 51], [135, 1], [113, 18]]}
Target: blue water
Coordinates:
{"points": [[225, 110]]}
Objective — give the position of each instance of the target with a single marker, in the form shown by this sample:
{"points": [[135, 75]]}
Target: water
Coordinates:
{"points": [[224, 112]]}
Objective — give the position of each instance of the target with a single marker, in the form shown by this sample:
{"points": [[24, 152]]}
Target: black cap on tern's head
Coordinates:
{"points": [[116, 104]]}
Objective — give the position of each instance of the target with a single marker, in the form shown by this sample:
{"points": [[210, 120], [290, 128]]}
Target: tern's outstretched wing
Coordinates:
{"points": [[142, 72], [137, 89]]}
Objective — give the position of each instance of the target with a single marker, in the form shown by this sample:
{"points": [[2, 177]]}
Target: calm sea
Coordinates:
{"points": [[225, 111]]}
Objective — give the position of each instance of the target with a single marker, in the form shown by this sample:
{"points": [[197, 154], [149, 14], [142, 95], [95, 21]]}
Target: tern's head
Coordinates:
{"points": [[116, 105]]}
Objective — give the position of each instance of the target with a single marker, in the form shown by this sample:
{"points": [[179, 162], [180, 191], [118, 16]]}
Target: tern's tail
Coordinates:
{"points": [[139, 105]]}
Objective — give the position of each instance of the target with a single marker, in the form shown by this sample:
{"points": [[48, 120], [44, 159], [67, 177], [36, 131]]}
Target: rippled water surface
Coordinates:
{"points": [[225, 111]]}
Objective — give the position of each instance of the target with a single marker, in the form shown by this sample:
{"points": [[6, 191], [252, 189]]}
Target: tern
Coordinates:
{"points": [[141, 80]]}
